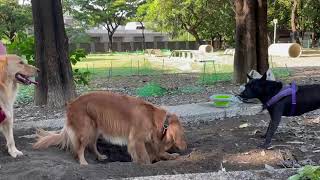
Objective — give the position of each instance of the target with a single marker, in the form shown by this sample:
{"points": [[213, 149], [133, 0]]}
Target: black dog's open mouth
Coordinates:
{"points": [[25, 79]]}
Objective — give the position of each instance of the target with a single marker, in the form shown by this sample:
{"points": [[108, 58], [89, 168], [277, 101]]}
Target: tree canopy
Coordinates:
{"points": [[107, 13], [14, 18]]}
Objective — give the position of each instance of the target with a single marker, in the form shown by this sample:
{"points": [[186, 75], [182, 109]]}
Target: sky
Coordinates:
{"points": [[24, 1]]}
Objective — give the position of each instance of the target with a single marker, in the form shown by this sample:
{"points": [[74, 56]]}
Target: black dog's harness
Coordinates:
{"points": [[286, 91]]}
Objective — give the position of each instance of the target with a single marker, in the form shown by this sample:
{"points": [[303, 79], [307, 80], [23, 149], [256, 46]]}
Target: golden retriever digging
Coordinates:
{"points": [[147, 130], [12, 71]]}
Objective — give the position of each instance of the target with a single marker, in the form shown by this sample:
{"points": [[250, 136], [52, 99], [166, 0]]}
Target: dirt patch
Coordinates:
{"points": [[211, 146]]}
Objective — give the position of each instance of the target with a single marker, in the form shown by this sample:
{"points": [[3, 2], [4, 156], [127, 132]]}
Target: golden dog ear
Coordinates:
{"points": [[3, 62]]}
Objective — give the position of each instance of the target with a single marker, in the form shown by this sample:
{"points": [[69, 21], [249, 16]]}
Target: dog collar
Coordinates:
{"points": [[286, 91], [165, 126], [2, 116]]}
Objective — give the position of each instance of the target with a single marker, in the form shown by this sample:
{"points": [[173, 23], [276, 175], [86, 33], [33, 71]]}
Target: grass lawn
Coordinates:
{"points": [[128, 64]]}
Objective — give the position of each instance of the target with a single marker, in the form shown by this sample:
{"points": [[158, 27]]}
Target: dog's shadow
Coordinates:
{"points": [[115, 153]]}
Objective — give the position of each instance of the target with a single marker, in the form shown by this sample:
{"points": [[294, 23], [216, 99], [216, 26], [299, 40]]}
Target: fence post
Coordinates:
{"points": [[131, 67], [204, 71], [162, 65], [215, 71], [110, 69], [87, 67], [138, 67]]}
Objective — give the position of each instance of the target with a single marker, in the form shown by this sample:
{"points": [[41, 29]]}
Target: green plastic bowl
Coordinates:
{"points": [[222, 100]]}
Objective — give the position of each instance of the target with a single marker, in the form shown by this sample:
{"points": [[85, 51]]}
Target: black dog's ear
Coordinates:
{"points": [[249, 77], [264, 77]]}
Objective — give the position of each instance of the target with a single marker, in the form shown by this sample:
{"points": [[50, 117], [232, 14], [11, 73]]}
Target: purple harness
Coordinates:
{"points": [[286, 91]]}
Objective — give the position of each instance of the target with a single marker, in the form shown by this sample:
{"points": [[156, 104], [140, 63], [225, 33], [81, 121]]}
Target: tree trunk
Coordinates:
{"points": [[110, 36], [220, 42], [295, 37], [195, 35], [251, 38], [240, 68], [212, 41], [56, 85], [262, 37], [143, 36]]}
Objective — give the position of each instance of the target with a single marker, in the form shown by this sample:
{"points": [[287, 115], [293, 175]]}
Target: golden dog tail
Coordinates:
{"points": [[63, 139]]}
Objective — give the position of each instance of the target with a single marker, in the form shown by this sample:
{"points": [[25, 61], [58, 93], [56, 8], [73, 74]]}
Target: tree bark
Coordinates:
{"points": [[143, 35], [262, 37], [56, 85], [110, 42], [295, 37], [251, 38]]}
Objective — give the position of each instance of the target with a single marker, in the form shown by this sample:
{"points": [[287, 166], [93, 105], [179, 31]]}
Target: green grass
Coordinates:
{"points": [[135, 63], [281, 72], [151, 89], [25, 94]]}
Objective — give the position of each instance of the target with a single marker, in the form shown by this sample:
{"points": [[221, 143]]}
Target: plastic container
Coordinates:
{"points": [[222, 100]]}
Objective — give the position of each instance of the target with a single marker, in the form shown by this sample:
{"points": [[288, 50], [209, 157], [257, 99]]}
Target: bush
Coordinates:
{"points": [[307, 173], [151, 89], [78, 76], [24, 46]]}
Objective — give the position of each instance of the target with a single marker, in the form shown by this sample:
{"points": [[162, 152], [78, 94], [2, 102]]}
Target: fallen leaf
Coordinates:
{"points": [[243, 125], [268, 167], [303, 149], [295, 142]]}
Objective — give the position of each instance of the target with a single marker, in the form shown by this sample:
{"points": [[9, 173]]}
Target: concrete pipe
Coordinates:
{"points": [[292, 50], [206, 48]]}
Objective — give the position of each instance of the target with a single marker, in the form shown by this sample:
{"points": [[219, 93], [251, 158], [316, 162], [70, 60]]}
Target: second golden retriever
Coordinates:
{"points": [[147, 130], [12, 71]]}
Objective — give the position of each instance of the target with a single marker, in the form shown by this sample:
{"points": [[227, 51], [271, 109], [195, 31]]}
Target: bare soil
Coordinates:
{"points": [[212, 145]]}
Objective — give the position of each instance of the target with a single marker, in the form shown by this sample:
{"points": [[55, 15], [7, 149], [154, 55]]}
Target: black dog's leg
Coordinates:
{"points": [[273, 125], [265, 135]]}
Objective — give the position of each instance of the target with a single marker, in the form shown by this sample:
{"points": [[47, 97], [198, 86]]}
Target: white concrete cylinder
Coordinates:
{"points": [[292, 50], [206, 48]]}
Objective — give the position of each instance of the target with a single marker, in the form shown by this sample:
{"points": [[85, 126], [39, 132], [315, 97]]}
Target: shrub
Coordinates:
{"points": [[151, 89], [78, 76]]}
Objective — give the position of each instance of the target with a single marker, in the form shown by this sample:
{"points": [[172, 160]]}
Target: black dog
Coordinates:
{"points": [[307, 99]]}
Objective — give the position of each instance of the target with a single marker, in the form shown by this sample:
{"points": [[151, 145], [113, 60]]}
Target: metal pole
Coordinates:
{"points": [[275, 21]]}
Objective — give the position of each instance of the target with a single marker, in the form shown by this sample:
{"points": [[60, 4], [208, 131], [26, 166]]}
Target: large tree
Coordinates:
{"points": [[294, 21], [56, 85], [219, 22], [176, 17], [140, 16], [14, 18], [107, 13], [251, 38], [310, 10]]}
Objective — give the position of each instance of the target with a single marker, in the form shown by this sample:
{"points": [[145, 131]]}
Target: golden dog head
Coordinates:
{"points": [[15, 68], [174, 136]]}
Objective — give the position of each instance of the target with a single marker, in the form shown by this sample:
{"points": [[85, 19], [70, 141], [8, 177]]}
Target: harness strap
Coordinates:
{"points": [[293, 98], [165, 126], [286, 91], [2, 116]]}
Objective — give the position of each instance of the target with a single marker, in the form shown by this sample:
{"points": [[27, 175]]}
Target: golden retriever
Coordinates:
{"points": [[12, 71], [147, 130]]}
